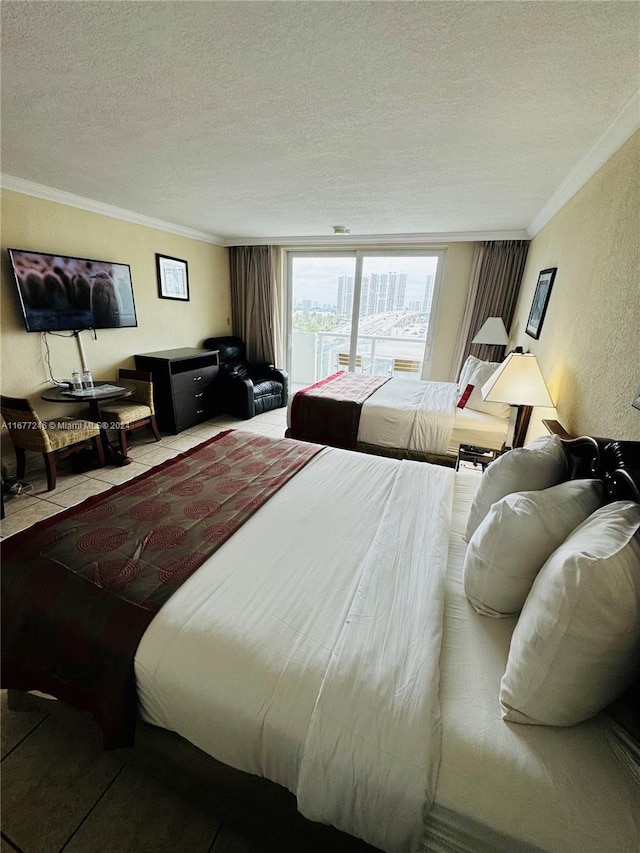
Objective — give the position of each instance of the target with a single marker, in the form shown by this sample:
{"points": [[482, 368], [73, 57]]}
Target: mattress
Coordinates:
{"points": [[495, 786]]}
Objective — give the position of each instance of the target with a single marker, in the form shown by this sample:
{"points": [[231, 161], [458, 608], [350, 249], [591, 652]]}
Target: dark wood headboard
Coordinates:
{"points": [[616, 463]]}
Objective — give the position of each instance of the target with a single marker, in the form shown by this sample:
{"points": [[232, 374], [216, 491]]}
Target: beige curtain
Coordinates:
{"points": [[496, 275], [254, 300]]}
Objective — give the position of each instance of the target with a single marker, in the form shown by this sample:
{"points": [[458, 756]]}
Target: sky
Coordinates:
{"points": [[317, 278]]}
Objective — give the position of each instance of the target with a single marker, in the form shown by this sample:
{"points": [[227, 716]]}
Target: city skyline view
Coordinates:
{"points": [[393, 313], [316, 279]]}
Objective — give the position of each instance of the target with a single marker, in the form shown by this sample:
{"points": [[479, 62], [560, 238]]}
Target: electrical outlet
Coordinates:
{"points": [[228, 321]]}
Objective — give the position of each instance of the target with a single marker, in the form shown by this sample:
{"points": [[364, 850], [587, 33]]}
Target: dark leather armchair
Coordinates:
{"points": [[245, 390]]}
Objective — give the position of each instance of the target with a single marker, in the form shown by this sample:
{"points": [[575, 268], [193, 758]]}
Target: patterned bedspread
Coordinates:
{"points": [[80, 589], [329, 412]]}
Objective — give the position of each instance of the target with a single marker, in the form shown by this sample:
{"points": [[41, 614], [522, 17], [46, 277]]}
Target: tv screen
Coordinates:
{"points": [[63, 293]]}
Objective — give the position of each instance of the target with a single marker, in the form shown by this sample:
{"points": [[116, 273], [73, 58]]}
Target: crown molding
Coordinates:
{"points": [[349, 240], [623, 125], [20, 185]]}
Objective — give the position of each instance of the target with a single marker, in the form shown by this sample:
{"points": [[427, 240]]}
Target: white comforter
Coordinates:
{"points": [[411, 414], [306, 649]]}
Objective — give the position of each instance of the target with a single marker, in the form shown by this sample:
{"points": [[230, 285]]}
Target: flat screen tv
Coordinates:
{"points": [[62, 293]]}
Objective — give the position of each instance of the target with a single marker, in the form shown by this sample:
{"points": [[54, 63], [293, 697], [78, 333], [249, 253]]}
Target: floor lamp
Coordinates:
{"points": [[519, 382]]}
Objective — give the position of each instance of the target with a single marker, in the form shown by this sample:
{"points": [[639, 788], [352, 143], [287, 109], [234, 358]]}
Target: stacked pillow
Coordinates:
{"points": [[476, 372], [539, 465], [572, 569], [576, 645], [467, 369], [517, 537]]}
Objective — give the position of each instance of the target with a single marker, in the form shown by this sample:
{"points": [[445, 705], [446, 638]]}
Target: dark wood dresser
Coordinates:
{"points": [[183, 381]]}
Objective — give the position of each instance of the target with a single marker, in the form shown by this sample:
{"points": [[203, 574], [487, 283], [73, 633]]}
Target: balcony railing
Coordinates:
{"points": [[318, 354]]}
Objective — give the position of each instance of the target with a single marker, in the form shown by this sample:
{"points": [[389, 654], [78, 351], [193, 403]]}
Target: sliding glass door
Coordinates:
{"points": [[361, 310]]}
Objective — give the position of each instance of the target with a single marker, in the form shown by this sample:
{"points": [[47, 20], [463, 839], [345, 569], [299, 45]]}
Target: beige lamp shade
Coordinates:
{"points": [[519, 382], [492, 331]]}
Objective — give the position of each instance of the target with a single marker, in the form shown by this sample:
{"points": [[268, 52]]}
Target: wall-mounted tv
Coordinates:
{"points": [[62, 293]]}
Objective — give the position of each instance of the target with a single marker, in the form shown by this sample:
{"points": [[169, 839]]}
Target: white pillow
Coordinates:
{"points": [[577, 642], [479, 376], [467, 370], [540, 464], [517, 537]]}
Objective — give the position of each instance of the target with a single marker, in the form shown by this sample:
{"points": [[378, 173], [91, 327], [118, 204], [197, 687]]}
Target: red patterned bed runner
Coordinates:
{"points": [[329, 411], [80, 589]]}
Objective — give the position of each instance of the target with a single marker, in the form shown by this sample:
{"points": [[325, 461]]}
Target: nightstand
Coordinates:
{"points": [[472, 458]]}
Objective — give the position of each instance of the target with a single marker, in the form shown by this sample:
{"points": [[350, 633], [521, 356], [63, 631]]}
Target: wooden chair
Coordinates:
{"points": [[54, 440], [405, 365], [135, 411], [343, 361]]}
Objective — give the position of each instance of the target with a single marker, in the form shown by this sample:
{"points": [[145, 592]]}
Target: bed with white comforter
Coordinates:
{"points": [[422, 418], [329, 647]]}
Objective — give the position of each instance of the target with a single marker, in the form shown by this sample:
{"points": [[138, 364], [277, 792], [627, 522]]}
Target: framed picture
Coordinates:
{"points": [[540, 302], [173, 278]]}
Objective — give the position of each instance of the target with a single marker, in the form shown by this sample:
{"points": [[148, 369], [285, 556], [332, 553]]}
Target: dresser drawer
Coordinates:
{"points": [[196, 391], [194, 379], [190, 411]]}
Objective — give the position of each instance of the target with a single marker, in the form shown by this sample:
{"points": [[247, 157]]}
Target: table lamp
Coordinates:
{"points": [[519, 382], [493, 332]]}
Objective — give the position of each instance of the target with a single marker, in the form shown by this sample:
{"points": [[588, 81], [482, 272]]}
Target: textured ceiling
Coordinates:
{"points": [[256, 119]]}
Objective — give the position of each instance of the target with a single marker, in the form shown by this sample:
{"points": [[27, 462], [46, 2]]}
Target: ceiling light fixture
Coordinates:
{"points": [[340, 229]]}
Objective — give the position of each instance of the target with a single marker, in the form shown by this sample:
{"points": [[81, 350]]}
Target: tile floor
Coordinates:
{"points": [[61, 792]]}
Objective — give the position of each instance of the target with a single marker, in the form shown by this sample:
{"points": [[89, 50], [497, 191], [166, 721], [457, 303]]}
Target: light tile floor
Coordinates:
{"points": [[37, 503]]}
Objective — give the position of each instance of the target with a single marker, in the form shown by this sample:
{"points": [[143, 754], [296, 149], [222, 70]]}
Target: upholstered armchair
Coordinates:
{"points": [[245, 390]]}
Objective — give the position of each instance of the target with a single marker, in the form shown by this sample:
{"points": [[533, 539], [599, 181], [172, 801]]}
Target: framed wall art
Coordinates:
{"points": [[173, 278], [540, 302]]}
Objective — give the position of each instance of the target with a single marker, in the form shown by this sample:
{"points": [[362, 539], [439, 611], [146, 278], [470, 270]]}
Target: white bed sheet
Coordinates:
{"points": [[499, 787], [478, 429], [411, 414], [296, 652], [509, 787]]}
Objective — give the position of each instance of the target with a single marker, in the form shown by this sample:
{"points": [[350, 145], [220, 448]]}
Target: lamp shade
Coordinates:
{"points": [[518, 381], [492, 331]]}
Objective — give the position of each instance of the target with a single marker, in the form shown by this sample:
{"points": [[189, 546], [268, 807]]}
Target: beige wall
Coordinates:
{"points": [[589, 348], [32, 223]]}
